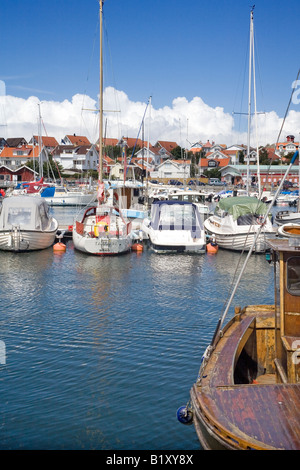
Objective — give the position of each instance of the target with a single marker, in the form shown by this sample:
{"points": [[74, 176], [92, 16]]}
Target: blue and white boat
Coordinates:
{"points": [[62, 196], [175, 227]]}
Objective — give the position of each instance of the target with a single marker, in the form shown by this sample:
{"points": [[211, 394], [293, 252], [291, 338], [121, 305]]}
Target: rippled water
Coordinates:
{"points": [[100, 352]]}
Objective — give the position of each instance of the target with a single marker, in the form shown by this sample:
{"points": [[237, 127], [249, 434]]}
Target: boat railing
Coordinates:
{"points": [[93, 230]]}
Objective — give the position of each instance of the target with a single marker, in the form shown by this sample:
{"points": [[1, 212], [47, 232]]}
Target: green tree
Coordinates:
{"points": [[264, 157], [178, 152], [241, 157], [113, 151], [51, 169], [289, 156], [213, 173]]}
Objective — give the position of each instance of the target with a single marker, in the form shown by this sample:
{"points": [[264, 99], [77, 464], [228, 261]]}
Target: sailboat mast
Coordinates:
{"points": [[40, 142], [101, 97], [249, 97], [255, 113]]}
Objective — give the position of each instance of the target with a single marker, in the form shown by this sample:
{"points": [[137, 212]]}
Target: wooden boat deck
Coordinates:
{"points": [[254, 416]]}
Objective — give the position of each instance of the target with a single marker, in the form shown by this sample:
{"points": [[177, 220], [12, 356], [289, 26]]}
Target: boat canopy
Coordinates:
{"points": [[176, 215], [24, 211], [242, 205]]}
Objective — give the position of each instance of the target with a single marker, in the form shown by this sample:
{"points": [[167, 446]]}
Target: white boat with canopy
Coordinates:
{"points": [[25, 224], [175, 226], [236, 222]]}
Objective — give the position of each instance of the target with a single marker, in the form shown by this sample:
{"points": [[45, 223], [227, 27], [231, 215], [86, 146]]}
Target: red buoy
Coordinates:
{"points": [[59, 247]]}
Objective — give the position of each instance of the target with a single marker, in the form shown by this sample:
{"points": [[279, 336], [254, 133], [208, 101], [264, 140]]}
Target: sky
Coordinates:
{"points": [[190, 57]]}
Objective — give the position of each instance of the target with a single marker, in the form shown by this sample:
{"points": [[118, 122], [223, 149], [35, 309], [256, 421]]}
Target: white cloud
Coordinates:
{"points": [[181, 122]]}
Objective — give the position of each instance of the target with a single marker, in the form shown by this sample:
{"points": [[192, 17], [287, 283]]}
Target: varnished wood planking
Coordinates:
{"points": [[261, 415]]}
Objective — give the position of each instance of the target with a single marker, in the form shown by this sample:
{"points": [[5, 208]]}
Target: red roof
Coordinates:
{"points": [[12, 152], [167, 145], [222, 161], [195, 149], [47, 141], [78, 139], [182, 162], [109, 141]]}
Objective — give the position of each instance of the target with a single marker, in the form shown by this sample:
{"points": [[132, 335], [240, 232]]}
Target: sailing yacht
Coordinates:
{"points": [[102, 230]]}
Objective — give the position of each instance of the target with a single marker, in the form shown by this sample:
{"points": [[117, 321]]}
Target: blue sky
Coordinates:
{"points": [[166, 49]]}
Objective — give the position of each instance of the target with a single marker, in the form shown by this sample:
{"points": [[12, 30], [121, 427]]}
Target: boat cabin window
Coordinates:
{"points": [[248, 219], [293, 275], [19, 216], [193, 198], [178, 217]]}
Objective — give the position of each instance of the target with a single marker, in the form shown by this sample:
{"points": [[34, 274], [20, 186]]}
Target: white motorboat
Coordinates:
{"points": [[236, 222], [175, 227], [56, 195], [286, 197], [61, 196], [25, 224], [285, 217]]}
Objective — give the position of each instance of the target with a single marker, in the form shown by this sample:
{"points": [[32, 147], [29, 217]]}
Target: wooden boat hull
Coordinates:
{"points": [[235, 414]]}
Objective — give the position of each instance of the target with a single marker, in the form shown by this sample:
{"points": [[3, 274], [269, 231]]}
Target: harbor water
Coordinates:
{"points": [[99, 353]]}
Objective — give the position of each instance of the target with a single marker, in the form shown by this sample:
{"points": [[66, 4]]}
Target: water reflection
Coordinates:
{"points": [[95, 343]]}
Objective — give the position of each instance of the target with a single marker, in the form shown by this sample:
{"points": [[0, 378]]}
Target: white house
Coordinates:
{"points": [[81, 158], [234, 150], [117, 172], [14, 157], [289, 146], [153, 157], [173, 169]]}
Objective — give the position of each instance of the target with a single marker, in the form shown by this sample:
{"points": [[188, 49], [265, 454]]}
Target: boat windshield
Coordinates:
{"points": [[249, 219], [196, 198], [176, 216], [19, 216]]}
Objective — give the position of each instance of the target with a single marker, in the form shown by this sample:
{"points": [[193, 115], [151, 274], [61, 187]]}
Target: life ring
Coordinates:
{"points": [[260, 220]]}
